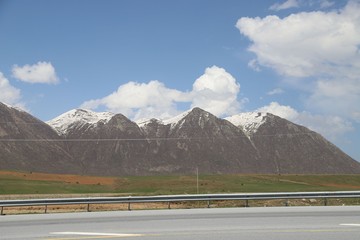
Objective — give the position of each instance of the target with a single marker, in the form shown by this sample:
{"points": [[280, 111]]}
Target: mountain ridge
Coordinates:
{"points": [[112, 145]]}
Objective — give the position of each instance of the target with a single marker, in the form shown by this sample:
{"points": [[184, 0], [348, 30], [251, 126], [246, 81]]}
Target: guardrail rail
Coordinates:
{"points": [[178, 198]]}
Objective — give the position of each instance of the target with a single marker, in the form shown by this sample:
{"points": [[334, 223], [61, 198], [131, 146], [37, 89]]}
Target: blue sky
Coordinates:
{"points": [[299, 59]]}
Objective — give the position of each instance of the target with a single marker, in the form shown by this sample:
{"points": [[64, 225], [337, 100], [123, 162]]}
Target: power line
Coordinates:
{"points": [[141, 139]]}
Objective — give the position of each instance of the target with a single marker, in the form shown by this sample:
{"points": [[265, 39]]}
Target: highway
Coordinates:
{"points": [[272, 223]]}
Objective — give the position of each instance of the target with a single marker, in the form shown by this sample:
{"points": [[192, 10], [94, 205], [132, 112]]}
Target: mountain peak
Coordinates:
{"points": [[249, 121], [12, 107], [176, 119], [78, 117], [144, 121]]}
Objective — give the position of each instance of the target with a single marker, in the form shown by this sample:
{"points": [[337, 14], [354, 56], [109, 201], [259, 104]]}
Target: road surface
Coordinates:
{"points": [[276, 223]]}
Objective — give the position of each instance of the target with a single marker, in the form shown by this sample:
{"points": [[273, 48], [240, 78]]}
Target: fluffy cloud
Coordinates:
{"points": [[215, 91], [319, 47], [285, 5], [337, 97], [42, 72], [141, 100], [275, 108], [8, 93], [330, 126], [295, 46]]}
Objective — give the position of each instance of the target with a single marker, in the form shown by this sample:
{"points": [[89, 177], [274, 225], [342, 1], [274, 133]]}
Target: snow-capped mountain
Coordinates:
{"points": [[177, 119], [13, 107], [86, 142], [249, 122], [78, 118], [169, 121], [291, 148]]}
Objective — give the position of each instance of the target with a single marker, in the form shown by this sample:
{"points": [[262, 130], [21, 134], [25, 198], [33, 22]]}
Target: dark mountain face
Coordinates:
{"points": [[25, 144], [199, 140], [112, 145], [98, 151], [289, 148]]}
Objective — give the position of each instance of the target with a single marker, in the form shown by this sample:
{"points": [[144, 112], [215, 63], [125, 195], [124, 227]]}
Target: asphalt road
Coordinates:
{"points": [[295, 223]]}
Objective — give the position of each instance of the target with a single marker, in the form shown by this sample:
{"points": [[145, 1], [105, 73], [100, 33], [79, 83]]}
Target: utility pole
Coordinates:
{"points": [[197, 180]]}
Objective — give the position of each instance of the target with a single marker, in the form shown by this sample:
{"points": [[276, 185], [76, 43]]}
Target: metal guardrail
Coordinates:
{"points": [[178, 198]]}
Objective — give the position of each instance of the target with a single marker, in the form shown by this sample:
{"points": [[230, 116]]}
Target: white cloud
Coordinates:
{"points": [[215, 91], [8, 93], [275, 108], [295, 46], [42, 72], [275, 91], [321, 47], [141, 100], [336, 96], [285, 5], [330, 126]]}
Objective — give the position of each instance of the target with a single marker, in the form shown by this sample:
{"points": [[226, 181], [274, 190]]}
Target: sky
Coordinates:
{"points": [[298, 59]]}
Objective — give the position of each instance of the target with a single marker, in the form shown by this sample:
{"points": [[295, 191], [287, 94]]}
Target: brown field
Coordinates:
{"points": [[74, 179]]}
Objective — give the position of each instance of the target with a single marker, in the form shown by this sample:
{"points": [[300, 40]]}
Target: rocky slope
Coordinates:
{"points": [[29, 144], [286, 147], [108, 146], [198, 139]]}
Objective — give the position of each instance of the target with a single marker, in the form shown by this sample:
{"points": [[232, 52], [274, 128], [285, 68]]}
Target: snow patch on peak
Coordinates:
{"points": [[249, 122], [7, 105], [14, 107], [144, 121], [175, 120], [78, 117]]}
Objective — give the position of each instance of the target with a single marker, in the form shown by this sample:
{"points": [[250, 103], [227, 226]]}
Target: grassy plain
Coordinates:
{"points": [[39, 183]]}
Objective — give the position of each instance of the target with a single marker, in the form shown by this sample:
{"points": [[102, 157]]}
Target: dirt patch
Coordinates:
{"points": [[75, 179], [343, 186]]}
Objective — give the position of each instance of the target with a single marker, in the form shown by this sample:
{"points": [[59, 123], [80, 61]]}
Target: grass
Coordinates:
{"points": [[20, 186], [35, 183]]}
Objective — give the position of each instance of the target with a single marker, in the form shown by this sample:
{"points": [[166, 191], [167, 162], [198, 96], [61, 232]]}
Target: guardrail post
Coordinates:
{"points": [[45, 208], [325, 202], [2, 210], [208, 204], [129, 206], [246, 203], [169, 205], [88, 207]]}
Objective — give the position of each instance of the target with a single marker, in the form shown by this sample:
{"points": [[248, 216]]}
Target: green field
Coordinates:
{"points": [[157, 185]]}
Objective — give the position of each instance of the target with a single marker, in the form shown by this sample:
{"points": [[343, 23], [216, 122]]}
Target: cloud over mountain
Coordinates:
{"points": [[8, 93], [318, 49], [140, 100], [216, 91], [331, 126]]}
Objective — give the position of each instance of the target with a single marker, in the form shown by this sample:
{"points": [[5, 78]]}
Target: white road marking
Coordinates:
{"points": [[350, 224], [97, 234]]}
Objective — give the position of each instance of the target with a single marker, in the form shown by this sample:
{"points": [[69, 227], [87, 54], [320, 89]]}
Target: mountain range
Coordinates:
{"points": [[106, 144]]}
